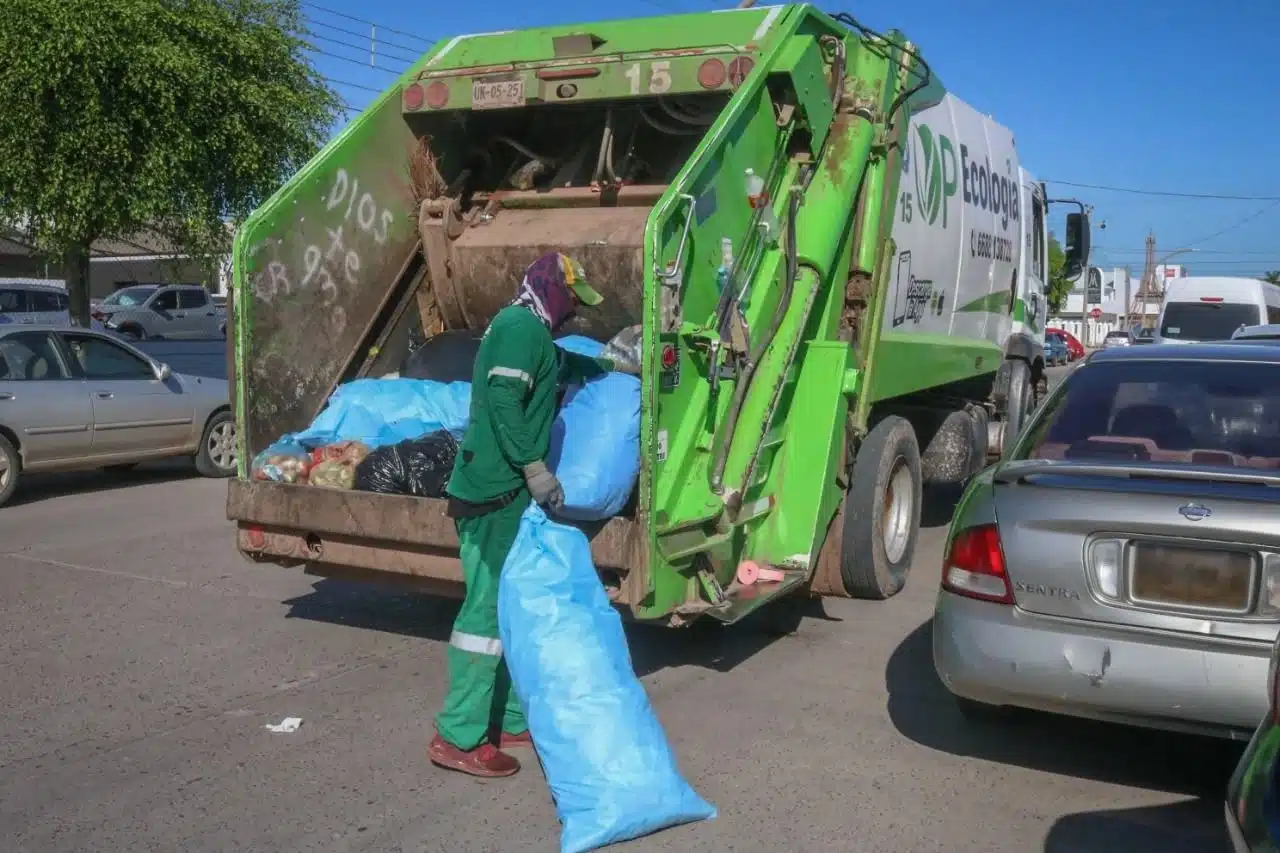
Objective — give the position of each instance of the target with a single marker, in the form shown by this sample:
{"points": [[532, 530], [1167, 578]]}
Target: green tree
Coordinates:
{"points": [[1058, 285], [177, 116], [1272, 277]]}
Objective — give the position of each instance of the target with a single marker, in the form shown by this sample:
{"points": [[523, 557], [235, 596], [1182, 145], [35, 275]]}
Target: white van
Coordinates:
{"points": [[1212, 308], [34, 300]]}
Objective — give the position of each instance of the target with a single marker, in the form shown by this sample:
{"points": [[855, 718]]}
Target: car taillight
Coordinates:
{"points": [[98, 315], [975, 566]]}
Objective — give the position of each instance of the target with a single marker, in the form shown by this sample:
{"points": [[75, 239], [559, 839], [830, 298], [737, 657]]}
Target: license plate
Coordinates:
{"points": [[496, 94], [1192, 577]]}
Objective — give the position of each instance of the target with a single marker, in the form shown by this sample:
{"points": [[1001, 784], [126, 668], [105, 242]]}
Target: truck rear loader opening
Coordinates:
{"points": [[809, 361]]}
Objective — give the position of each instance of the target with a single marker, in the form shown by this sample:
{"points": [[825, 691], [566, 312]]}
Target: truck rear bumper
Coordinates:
{"points": [[393, 538]]}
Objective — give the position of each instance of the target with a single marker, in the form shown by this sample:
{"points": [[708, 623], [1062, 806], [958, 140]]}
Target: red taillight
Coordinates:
{"points": [[739, 69], [437, 95], [975, 566], [98, 315], [414, 96], [1210, 298], [712, 74]]}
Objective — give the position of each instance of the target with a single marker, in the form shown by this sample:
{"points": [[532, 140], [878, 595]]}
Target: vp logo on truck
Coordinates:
{"points": [[935, 158]]}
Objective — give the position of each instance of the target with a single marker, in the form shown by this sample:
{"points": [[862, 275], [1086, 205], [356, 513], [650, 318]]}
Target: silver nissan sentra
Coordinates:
{"points": [[1122, 562]]}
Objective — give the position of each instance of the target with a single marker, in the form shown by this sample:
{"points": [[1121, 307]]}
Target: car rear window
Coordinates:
{"points": [[1213, 413], [130, 297], [1207, 321]]}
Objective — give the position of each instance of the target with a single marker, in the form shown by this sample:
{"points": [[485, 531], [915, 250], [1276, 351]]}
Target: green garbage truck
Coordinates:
{"points": [[838, 266]]}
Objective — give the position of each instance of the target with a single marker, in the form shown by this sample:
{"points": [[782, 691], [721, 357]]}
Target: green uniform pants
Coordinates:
{"points": [[480, 698]]}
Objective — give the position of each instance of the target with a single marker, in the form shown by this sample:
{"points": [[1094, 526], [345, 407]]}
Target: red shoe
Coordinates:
{"points": [[485, 761], [524, 740]]}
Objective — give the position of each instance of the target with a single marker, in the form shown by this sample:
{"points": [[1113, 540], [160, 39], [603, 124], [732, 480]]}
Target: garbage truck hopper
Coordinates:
{"points": [[727, 179]]}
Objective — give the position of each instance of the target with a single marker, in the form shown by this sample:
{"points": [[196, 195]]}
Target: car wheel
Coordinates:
{"points": [[217, 454], [881, 511], [1019, 404], [132, 332], [10, 465]]}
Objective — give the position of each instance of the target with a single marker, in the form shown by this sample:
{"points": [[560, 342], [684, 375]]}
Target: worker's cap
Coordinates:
{"points": [[576, 280]]}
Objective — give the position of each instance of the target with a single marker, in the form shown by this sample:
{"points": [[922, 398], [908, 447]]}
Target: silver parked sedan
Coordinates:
{"points": [[73, 399], [1123, 562]]}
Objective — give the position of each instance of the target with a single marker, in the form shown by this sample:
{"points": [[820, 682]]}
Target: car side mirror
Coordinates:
{"points": [[162, 371], [1077, 248]]}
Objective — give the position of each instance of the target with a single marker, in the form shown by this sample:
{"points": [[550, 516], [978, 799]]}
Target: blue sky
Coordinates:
{"points": [[1170, 97]]}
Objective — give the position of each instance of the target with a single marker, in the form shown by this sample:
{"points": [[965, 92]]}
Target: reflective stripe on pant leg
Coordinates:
{"points": [[476, 644]]}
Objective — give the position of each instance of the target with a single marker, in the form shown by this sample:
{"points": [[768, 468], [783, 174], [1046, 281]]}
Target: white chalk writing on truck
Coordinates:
{"points": [[333, 264]]}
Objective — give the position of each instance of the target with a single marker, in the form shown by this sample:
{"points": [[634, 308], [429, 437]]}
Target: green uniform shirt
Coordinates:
{"points": [[513, 404]]}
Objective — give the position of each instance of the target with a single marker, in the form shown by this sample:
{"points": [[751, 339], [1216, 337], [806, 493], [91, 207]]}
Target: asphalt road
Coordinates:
{"points": [[143, 658]]}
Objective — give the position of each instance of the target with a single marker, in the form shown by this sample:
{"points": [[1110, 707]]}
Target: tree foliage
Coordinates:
{"points": [[167, 115], [1272, 276], [1059, 285]]}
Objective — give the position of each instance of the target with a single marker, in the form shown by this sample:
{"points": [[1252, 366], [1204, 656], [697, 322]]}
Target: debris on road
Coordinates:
{"points": [[287, 726]]}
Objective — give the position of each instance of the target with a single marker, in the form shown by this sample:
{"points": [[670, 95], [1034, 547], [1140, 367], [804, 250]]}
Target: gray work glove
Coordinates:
{"points": [[544, 486], [623, 366]]}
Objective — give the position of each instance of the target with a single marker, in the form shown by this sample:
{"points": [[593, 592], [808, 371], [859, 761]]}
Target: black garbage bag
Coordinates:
{"points": [[419, 467], [446, 357]]}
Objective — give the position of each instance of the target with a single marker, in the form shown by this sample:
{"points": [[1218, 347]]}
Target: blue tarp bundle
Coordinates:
{"points": [[605, 755], [388, 411]]}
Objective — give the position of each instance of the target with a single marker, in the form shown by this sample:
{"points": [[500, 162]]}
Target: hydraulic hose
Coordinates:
{"points": [[753, 361]]}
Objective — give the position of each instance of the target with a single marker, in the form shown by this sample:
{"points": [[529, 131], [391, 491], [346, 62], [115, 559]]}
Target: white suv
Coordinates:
{"points": [[33, 301]]}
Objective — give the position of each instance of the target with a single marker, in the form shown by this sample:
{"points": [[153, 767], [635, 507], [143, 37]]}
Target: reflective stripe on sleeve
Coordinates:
{"points": [[511, 373], [476, 644]]}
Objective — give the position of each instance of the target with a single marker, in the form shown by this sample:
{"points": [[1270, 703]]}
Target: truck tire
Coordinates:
{"points": [[882, 512], [1019, 404], [10, 465], [217, 445], [948, 456]]}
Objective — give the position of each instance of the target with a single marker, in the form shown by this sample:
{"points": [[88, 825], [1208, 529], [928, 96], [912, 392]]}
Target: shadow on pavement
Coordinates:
{"points": [[1189, 826], [705, 644], [38, 487], [922, 709], [938, 504]]}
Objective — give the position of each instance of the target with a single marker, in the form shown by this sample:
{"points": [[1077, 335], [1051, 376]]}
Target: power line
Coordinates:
{"points": [[1269, 253], [366, 21], [363, 49], [1252, 216], [351, 85], [1167, 193], [372, 35], [360, 62]]}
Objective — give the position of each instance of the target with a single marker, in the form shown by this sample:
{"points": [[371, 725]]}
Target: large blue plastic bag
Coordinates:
{"points": [[581, 344], [606, 758], [388, 411], [600, 423]]}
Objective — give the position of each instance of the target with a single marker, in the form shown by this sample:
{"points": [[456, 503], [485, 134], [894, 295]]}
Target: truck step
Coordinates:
{"points": [[741, 601]]}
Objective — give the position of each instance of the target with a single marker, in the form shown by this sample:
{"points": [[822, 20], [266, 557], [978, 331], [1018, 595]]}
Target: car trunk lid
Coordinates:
{"points": [[1189, 549]]}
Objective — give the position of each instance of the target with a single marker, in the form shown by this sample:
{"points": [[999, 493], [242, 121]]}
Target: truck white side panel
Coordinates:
{"points": [[957, 228]]}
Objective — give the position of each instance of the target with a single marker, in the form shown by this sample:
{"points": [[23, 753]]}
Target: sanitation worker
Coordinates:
{"points": [[501, 466]]}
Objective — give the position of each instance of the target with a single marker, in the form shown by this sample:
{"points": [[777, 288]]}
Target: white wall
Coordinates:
{"points": [[1117, 287]]}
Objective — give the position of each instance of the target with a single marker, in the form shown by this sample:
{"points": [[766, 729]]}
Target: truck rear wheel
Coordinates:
{"points": [[882, 511], [1019, 404]]}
